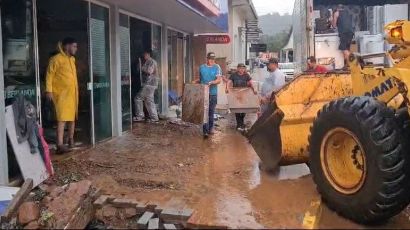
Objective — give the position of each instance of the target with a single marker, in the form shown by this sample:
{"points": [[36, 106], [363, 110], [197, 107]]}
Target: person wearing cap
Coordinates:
{"points": [[62, 89], [210, 74], [273, 83], [240, 79]]}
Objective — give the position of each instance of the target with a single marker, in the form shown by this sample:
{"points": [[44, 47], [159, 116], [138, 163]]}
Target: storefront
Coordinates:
{"points": [[111, 36]]}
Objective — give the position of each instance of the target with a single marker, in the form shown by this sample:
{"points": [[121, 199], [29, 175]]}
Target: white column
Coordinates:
{"points": [[116, 102], [4, 168], [164, 85]]}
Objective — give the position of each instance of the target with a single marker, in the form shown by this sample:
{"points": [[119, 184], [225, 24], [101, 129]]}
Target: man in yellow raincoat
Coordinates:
{"points": [[62, 89]]}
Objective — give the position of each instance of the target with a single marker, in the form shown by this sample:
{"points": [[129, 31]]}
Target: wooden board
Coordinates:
{"points": [[31, 165], [195, 104], [243, 100]]}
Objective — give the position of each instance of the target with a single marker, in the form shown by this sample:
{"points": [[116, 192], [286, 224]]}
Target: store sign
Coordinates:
{"points": [[217, 39], [259, 48]]}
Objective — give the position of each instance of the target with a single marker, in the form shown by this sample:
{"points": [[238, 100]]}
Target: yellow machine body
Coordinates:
{"points": [[300, 101]]}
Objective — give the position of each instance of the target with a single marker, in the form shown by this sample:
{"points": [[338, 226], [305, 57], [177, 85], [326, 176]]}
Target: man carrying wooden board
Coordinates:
{"points": [[210, 74]]}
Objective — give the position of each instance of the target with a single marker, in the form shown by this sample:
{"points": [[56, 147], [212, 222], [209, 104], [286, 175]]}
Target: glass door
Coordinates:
{"points": [[157, 56], [101, 82], [125, 72], [55, 21], [18, 61]]}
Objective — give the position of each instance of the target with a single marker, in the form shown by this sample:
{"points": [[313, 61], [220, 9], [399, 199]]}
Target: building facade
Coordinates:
{"points": [[240, 11], [112, 35]]}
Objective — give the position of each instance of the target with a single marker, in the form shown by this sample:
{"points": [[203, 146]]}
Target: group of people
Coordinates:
{"points": [[62, 89]]}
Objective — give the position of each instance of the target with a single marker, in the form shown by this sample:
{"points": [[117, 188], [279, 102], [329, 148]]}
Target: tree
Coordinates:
{"points": [[276, 42]]}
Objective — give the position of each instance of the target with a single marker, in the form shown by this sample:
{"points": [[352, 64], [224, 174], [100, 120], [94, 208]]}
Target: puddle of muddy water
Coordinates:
{"points": [[292, 172]]}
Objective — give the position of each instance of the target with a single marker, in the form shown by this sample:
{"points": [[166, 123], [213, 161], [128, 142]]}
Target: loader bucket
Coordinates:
{"points": [[265, 138], [281, 135]]}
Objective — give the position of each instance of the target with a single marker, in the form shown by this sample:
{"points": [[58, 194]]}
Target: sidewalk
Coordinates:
{"points": [[219, 178]]}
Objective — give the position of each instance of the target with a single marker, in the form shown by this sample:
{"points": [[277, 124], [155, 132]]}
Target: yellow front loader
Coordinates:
{"points": [[351, 129]]}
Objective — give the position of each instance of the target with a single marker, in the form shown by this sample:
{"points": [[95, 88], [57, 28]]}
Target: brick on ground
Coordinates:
{"points": [[124, 203], [101, 201], [153, 224], [144, 219], [174, 216]]}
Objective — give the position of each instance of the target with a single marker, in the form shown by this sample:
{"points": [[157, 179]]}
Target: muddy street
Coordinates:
{"points": [[219, 178]]}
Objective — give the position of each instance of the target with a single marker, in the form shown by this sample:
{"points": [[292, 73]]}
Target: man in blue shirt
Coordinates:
{"points": [[210, 74]]}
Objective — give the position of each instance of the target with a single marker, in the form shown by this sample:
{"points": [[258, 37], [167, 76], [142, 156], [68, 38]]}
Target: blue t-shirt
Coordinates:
{"points": [[208, 74]]}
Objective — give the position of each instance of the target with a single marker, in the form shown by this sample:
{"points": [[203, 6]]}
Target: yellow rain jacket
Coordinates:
{"points": [[61, 81]]}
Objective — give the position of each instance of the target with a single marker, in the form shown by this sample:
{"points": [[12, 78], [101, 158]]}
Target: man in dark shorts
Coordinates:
{"points": [[240, 79], [343, 21]]}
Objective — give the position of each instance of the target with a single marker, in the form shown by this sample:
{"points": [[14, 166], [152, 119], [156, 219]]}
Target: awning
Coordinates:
{"points": [[173, 13]]}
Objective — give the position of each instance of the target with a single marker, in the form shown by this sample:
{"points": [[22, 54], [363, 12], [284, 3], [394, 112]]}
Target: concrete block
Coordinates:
{"points": [[101, 201], [124, 203], [153, 223], [144, 219], [195, 104], [176, 216], [169, 227]]}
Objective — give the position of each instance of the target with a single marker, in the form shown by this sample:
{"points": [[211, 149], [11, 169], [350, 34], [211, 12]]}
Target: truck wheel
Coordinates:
{"points": [[358, 161]]}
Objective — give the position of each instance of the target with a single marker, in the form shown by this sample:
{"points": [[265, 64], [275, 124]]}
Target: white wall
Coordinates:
{"points": [[235, 51]]}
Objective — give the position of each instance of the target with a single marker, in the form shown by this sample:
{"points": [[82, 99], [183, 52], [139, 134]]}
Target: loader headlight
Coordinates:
{"points": [[397, 33]]}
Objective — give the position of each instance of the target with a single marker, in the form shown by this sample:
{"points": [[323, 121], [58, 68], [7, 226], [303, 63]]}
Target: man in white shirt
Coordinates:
{"points": [[273, 83]]}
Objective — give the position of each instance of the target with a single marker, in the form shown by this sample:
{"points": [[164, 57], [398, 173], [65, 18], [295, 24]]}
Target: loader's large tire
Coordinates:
{"points": [[366, 131]]}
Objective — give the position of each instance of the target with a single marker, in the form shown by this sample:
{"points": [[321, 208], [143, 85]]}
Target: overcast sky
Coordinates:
{"points": [[269, 6]]}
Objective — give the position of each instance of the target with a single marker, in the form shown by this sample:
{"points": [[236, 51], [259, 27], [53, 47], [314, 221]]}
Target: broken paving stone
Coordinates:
{"points": [[169, 227], [176, 216], [28, 212], [124, 203], [153, 223], [144, 219]]}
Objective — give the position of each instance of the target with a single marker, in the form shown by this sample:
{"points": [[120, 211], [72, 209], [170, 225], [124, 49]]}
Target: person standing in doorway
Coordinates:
{"points": [[210, 74], [343, 21], [62, 89], [240, 79], [146, 95], [273, 83]]}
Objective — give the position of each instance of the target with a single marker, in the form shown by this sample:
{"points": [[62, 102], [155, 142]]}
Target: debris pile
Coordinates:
{"points": [[140, 214]]}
